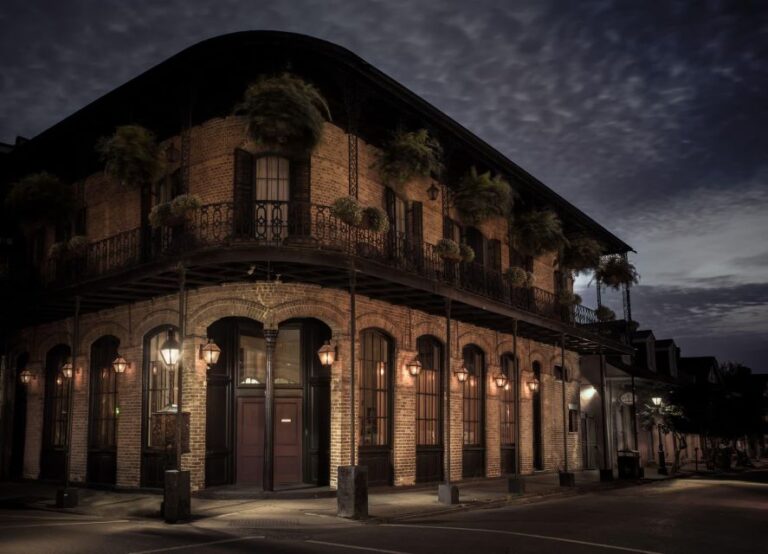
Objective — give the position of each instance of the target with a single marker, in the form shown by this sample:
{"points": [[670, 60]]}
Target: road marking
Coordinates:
{"points": [[352, 546], [64, 524], [528, 535], [199, 544]]}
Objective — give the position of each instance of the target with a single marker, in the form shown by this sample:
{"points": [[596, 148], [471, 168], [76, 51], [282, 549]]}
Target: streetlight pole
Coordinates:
{"points": [[657, 401]]}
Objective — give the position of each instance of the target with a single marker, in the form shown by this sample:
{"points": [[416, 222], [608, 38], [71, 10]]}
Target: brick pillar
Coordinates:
{"points": [[34, 440], [454, 442], [526, 423], [129, 420], [194, 402], [492, 425], [404, 435], [80, 406], [340, 397]]}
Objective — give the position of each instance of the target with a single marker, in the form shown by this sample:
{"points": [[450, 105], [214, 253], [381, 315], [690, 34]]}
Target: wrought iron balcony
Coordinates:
{"points": [[296, 225]]}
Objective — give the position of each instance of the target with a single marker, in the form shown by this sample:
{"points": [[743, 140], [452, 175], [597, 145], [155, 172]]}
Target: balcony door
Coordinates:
{"points": [[102, 424]]}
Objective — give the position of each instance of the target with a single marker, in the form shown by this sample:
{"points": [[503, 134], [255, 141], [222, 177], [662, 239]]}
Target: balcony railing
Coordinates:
{"points": [[303, 225]]}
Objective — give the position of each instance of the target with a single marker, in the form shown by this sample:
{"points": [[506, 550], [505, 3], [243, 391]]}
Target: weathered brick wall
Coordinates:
{"points": [[272, 303]]}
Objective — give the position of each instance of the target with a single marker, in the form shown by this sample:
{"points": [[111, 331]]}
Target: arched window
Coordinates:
{"points": [[507, 400], [473, 394], [376, 373], [428, 391], [159, 399], [56, 407], [538, 456], [104, 409]]}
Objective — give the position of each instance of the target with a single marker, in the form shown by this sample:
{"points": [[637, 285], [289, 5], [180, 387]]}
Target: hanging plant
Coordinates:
{"points": [[408, 155], [77, 246], [131, 156], [604, 313], [480, 197], [536, 232], [568, 299], [160, 215], [57, 251], [467, 253], [40, 197], [519, 277], [185, 204], [448, 250], [285, 111], [581, 254], [348, 210], [615, 271], [375, 219]]}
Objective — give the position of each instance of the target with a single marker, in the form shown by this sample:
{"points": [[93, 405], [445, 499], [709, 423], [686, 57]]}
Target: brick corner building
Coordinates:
{"points": [[271, 274]]}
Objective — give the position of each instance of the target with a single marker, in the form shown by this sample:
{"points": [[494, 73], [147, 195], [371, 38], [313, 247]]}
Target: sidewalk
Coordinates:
{"points": [[291, 508]]}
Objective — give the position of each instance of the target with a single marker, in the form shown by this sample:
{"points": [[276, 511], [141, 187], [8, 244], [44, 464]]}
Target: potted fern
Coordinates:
{"points": [[480, 196], [131, 155], [375, 219], [519, 277], [448, 250], [175, 212], [615, 271], [467, 253], [285, 111], [537, 231], [40, 197], [581, 254], [409, 155], [348, 210]]}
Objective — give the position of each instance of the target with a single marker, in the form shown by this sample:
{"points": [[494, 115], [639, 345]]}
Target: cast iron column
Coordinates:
{"points": [[446, 492], [268, 479], [353, 338], [565, 403], [180, 363]]}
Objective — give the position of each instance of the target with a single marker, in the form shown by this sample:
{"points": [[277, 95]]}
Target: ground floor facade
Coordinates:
{"points": [[122, 422]]}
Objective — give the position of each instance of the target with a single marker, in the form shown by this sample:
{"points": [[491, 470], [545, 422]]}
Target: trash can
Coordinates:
{"points": [[629, 464]]}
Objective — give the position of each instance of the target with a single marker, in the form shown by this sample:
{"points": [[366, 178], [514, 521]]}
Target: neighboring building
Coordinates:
{"points": [[271, 275]]}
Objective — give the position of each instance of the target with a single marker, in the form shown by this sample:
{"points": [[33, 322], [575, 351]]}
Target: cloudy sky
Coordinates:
{"points": [[650, 116]]}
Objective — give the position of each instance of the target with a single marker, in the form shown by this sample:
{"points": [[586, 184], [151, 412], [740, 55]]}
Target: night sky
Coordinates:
{"points": [[649, 116]]}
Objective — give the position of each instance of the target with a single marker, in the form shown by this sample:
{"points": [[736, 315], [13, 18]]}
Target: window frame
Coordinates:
{"points": [[429, 402]]}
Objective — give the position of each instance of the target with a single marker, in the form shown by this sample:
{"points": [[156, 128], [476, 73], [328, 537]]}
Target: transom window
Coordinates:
{"points": [[375, 387], [428, 391], [472, 395]]}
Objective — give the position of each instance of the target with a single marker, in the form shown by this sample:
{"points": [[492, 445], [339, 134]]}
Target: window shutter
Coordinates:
{"points": [[417, 230], [447, 227], [300, 197], [243, 191], [389, 199]]}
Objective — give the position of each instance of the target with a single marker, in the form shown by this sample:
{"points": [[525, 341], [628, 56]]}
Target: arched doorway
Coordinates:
{"points": [[159, 393], [429, 394], [538, 457], [376, 369], [55, 415], [508, 413], [473, 397], [235, 400], [104, 409]]}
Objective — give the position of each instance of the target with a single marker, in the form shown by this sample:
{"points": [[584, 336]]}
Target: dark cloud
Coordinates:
{"points": [[650, 116]]}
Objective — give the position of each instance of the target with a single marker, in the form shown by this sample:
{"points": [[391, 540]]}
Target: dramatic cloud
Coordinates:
{"points": [[649, 116]]}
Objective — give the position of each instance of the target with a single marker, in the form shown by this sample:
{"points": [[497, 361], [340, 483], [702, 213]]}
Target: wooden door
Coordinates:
{"points": [[250, 440], [288, 425], [55, 420]]}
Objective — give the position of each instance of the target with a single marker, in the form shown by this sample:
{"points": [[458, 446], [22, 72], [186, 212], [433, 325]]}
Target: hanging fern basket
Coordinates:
{"points": [[285, 112], [581, 254], [409, 155], [40, 197], [616, 271], [448, 250], [536, 232], [131, 156], [519, 277], [480, 197]]}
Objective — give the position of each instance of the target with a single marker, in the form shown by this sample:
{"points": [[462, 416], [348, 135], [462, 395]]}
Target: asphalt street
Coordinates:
{"points": [[677, 516]]}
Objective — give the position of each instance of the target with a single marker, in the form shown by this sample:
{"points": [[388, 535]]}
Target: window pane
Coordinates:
{"points": [[161, 391], [374, 411], [253, 360], [288, 357]]}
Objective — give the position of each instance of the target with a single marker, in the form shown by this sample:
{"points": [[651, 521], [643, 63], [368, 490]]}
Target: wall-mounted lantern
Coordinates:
{"points": [[433, 192], [210, 352], [656, 400], [120, 364], [462, 374], [68, 370], [414, 367], [327, 354], [500, 379], [26, 376], [533, 385]]}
